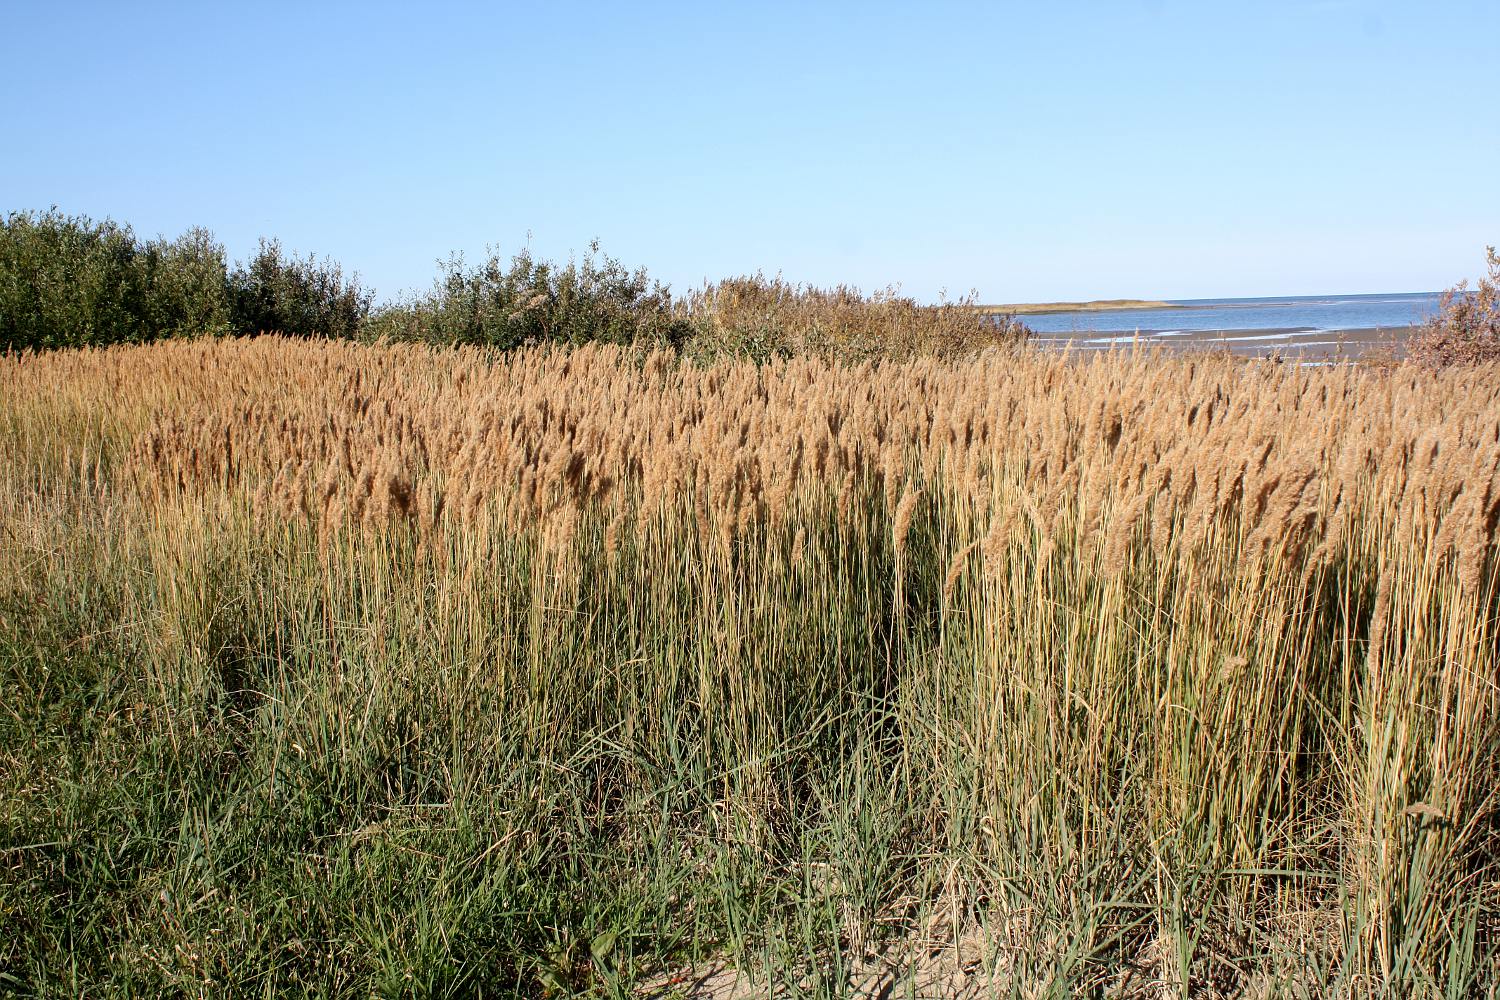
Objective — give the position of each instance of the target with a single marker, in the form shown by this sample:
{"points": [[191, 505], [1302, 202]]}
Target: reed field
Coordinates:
{"points": [[332, 669]]}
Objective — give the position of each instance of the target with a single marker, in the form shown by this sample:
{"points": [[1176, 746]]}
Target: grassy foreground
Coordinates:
{"points": [[335, 670]]}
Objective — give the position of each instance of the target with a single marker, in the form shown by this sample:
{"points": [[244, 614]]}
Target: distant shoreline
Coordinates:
{"points": [[1094, 305]]}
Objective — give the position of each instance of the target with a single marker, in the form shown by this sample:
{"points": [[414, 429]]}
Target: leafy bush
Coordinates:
{"points": [[68, 281], [302, 296], [530, 301], [189, 294], [1467, 327]]}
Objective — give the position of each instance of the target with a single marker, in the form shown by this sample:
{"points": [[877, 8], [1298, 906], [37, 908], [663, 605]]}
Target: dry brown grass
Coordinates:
{"points": [[1466, 330], [771, 315], [1153, 620], [341, 432]]}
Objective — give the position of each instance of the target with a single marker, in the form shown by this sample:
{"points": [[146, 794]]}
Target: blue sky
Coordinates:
{"points": [[1029, 151]]}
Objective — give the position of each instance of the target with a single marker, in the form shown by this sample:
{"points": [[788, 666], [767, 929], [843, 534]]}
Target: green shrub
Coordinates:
{"points": [[189, 293], [530, 301], [277, 292], [69, 281]]}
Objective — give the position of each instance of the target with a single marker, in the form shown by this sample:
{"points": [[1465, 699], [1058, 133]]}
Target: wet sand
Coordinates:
{"points": [[1291, 343]]}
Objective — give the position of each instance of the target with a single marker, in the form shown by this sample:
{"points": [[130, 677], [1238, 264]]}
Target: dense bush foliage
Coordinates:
{"points": [[303, 296], [530, 301], [69, 281], [599, 300], [1467, 328]]}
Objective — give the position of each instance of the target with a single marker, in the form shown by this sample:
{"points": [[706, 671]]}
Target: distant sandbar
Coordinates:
{"points": [[1094, 305]]}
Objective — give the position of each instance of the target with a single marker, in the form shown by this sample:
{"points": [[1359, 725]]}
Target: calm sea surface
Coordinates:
{"points": [[1301, 313]]}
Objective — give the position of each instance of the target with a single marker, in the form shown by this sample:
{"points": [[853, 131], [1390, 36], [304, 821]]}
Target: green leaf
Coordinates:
{"points": [[603, 945]]}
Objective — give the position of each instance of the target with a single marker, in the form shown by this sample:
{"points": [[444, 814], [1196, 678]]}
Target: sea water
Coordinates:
{"points": [[1301, 313]]}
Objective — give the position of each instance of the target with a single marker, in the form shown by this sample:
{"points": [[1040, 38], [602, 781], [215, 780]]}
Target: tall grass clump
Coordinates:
{"points": [[346, 670], [758, 316]]}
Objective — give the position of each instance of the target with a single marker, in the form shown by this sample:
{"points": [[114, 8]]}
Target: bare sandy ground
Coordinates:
{"points": [[972, 966], [927, 967]]}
